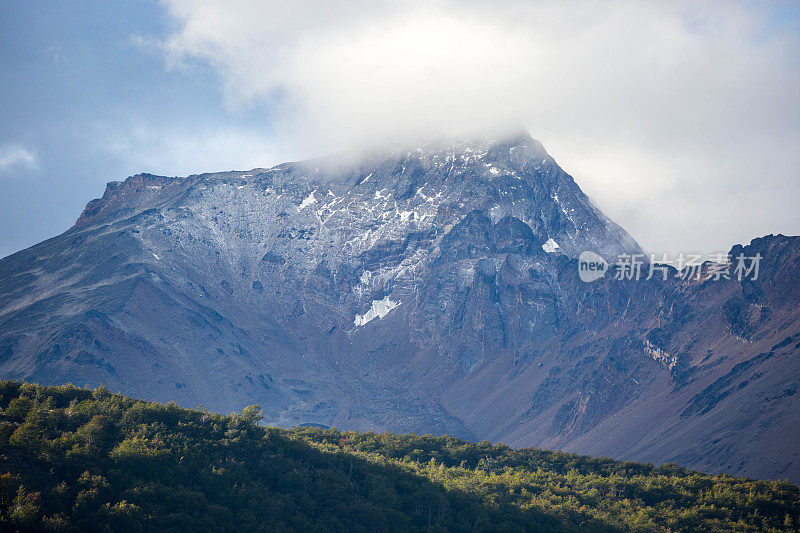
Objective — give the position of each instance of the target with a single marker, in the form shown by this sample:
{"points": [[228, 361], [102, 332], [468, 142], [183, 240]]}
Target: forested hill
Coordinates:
{"points": [[75, 459]]}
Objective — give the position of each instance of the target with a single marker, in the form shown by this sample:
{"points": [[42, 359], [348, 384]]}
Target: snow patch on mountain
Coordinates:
{"points": [[379, 309], [550, 246], [310, 199]]}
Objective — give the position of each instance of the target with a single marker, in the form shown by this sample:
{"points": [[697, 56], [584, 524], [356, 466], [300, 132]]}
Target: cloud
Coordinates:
{"points": [[177, 152], [680, 118], [15, 156]]}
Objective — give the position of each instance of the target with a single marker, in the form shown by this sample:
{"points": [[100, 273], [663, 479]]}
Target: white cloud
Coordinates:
{"points": [[178, 152], [681, 119], [14, 156]]}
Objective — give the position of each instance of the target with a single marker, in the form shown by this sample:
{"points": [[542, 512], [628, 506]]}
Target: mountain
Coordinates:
{"points": [[81, 460], [428, 290]]}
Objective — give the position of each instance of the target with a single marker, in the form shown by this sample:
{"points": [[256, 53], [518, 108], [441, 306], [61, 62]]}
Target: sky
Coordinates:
{"points": [[680, 119]]}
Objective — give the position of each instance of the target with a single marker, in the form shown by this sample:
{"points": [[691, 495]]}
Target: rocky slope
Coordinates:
{"points": [[427, 290]]}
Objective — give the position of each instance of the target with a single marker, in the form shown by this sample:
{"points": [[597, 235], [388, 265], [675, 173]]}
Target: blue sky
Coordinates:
{"points": [[75, 83], [681, 120]]}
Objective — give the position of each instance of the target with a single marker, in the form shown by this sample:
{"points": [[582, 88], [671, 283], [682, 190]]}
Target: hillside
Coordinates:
{"points": [[432, 289], [76, 459]]}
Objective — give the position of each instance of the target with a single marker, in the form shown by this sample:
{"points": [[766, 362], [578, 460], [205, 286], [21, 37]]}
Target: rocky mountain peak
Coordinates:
{"points": [[431, 288], [429, 188]]}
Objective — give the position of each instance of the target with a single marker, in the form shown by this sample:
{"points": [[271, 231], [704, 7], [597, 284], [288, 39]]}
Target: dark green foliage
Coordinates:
{"points": [[79, 460]]}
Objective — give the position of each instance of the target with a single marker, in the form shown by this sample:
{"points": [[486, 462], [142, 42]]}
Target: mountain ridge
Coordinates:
{"points": [[425, 290]]}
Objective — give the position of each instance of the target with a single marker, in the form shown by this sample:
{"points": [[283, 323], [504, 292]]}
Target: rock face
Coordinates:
{"points": [[427, 290]]}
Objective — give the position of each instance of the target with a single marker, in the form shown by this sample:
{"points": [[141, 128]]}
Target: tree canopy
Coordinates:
{"points": [[73, 459]]}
